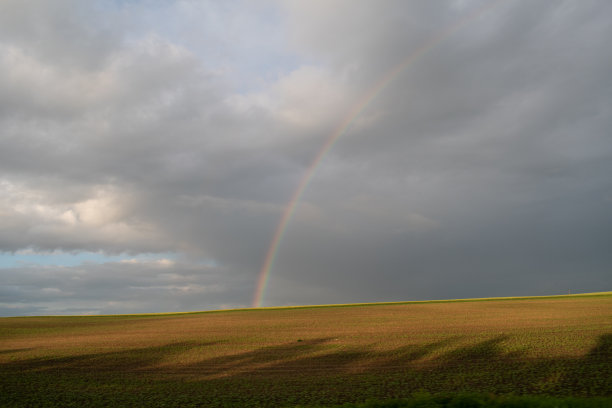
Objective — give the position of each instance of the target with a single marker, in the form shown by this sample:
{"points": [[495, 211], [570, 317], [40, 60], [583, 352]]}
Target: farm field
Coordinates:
{"points": [[546, 346]]}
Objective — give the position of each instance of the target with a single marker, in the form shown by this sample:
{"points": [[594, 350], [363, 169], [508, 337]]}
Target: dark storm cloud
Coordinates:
{"points": [[497, 138], [482, 169]]}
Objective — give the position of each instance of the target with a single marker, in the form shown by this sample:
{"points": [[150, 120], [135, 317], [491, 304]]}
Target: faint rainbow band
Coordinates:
{"points": [[354, 112]]}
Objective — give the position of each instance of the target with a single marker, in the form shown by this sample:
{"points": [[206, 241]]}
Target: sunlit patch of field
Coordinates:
{"points": [[545, 346]]}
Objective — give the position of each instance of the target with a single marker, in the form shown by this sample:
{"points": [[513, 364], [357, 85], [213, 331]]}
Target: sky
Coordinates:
{"points": [[166, 156]]}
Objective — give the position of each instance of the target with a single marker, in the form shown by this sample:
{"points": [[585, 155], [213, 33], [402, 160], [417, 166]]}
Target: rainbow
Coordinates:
{"points": [[353, 113]]}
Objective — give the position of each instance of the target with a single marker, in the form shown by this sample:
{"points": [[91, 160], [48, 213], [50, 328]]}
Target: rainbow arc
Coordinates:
{"points": [[349, 118]]}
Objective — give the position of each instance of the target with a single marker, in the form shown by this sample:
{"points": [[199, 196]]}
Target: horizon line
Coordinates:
{"points": [[382, 303]]}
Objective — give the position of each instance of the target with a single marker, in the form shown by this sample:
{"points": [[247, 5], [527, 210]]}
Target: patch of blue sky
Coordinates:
{"points": [[59, 258]]}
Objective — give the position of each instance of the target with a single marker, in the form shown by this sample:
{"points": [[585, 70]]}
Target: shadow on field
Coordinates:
{"points": [[443, 365], [19, 350], [125, 360], [602, 349]]}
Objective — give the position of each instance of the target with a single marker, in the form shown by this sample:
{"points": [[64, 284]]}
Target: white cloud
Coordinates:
{"points": [[105, 218]]}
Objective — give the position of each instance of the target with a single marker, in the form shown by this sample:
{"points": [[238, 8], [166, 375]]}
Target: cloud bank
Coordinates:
{"points": [[184, 128]]}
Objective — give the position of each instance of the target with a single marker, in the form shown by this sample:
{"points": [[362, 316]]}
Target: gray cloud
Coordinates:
{"points": [[482, 169], [66, 34], [118, 287], [497, 136]]}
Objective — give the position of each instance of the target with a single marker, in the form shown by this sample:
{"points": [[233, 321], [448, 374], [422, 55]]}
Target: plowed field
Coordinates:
{"points": [[560, 346]]}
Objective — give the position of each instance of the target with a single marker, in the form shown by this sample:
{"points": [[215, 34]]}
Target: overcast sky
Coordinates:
{"points": [[148, 150]]}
